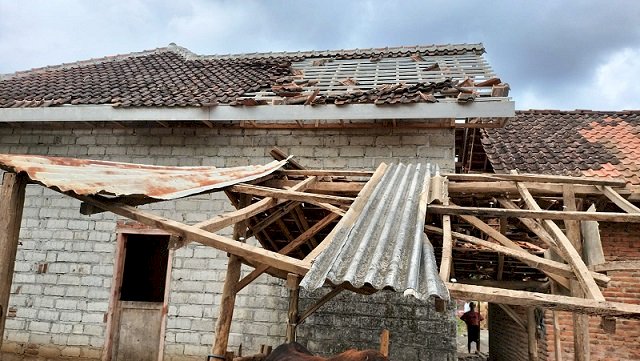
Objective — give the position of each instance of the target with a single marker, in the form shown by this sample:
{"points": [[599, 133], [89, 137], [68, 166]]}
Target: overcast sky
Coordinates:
{"points": [[571, 54]]}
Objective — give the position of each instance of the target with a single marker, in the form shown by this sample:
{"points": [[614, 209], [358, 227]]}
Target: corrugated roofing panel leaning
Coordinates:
{"points": [[386, 246], [92, 177]]}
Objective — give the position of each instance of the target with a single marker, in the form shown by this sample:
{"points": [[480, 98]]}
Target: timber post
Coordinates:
{"points": [[531, 333], [11, 206], [227, 304], [293, 283]]}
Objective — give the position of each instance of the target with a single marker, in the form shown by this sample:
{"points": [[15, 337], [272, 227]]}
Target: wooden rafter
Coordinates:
{"points": [[564, 244], [544, 265], [554, 302], [289, 194], [618, 200], [535, 178], [225, 244]]}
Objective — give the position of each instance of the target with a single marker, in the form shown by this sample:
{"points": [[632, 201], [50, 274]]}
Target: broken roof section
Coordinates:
{"points": [[93, 177], [578, 143], [382, 244], [174, 77]]}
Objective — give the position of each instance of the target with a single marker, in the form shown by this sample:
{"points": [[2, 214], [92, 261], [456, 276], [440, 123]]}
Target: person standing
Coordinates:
{"points": [[472, 319]]}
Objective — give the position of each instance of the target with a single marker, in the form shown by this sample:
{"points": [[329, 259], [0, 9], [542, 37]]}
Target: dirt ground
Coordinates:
{"points": [[463, 355]]}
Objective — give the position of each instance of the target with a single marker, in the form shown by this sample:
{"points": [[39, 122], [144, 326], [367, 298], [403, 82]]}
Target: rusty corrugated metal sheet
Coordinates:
{"points": [[92, 177], [386, 246]]}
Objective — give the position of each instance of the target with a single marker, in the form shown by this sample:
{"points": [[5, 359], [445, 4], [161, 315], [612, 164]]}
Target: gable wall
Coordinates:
{"points": [[62, 311]]}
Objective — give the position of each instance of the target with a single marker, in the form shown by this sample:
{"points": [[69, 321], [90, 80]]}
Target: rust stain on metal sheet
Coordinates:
{"points": [[92, 177]]}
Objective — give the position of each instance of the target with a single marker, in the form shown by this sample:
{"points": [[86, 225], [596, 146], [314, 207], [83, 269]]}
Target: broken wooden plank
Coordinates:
{"points": [[554, 302], [564, 244], [225, 244], [289, 194], [617, 266], [543, 264], [592, 244], [326, 298], [447, 248], [542, 214]]}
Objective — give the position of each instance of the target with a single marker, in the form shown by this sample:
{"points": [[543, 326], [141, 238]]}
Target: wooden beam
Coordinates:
{"points": [[292, 246], [384, 343], [535, 178], [513, 315], [293, 283], [542, 214], [447, 249], [326, 172], [564, 244], [545, 265], [554, 302], [533, 225], [290, 195], [617, 266], [227, 303], [618, 200], [326, 298], [352, 214], [11, 207], [319, 187], [253, 253], [502, 187], [532, 339]]}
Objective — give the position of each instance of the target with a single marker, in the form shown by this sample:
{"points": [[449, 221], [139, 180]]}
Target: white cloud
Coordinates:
{"points": [[617, 81]]}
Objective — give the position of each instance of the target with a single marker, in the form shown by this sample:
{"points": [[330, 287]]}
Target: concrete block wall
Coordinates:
{"points": [[417, 331], [620, 242], [62, 311]]}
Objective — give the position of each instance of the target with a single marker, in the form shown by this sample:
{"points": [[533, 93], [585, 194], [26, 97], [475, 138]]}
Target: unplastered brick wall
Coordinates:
{"points": [[417, 331], [509, 341], [620, 242], [62, 311]]}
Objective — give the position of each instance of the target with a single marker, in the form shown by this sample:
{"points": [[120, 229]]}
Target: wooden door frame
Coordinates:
{"points": [[113, 319]]}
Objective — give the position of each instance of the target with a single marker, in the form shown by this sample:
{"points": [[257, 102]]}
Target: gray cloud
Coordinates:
{"points": [[550, 51]]}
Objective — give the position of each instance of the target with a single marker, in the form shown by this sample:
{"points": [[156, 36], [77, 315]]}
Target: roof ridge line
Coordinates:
{"points": [[577, 111], [172, 47], [329, 52]]}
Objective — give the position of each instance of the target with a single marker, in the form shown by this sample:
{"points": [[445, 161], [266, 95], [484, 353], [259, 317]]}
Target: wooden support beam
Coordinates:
{"points": [[553, 302], [293, 283], [617, 266], [447, 249], [564, 244], [513, 315], [320, 187], [542, 214], [11, 206], [533, 225], [352, 214], [534, 178], [580, 321], [618, 200], [384, 343], [326, 298], [326, 172], [545, 265], [502, 187], [292, 246], [289, 194], [253, 253], [531, 334], [227, 303]]}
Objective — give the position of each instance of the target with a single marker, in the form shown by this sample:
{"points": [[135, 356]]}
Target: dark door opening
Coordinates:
{"points": [[145, 268]]}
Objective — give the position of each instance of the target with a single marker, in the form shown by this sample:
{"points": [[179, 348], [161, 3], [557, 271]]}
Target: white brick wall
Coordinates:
{"points": [[65, 306]]}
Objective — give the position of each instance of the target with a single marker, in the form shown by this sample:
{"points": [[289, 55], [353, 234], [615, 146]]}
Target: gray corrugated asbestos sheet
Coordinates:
{"points": [[386, 246]]}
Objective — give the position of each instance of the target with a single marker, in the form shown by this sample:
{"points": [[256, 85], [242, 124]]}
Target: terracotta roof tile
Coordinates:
{"points": [[173, 76], [589, 143]]}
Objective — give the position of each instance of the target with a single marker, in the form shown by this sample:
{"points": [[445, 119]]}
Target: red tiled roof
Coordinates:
{"points": [[587, 143], [173, 76]]}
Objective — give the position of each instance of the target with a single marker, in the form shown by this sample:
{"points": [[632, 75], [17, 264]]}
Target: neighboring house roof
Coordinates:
{"points": [[175, 77], [93, 177], [587, 143], [384, 246]]}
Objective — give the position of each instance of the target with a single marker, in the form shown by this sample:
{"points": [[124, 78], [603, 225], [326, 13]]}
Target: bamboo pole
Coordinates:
{"points": [[11, 206]]}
